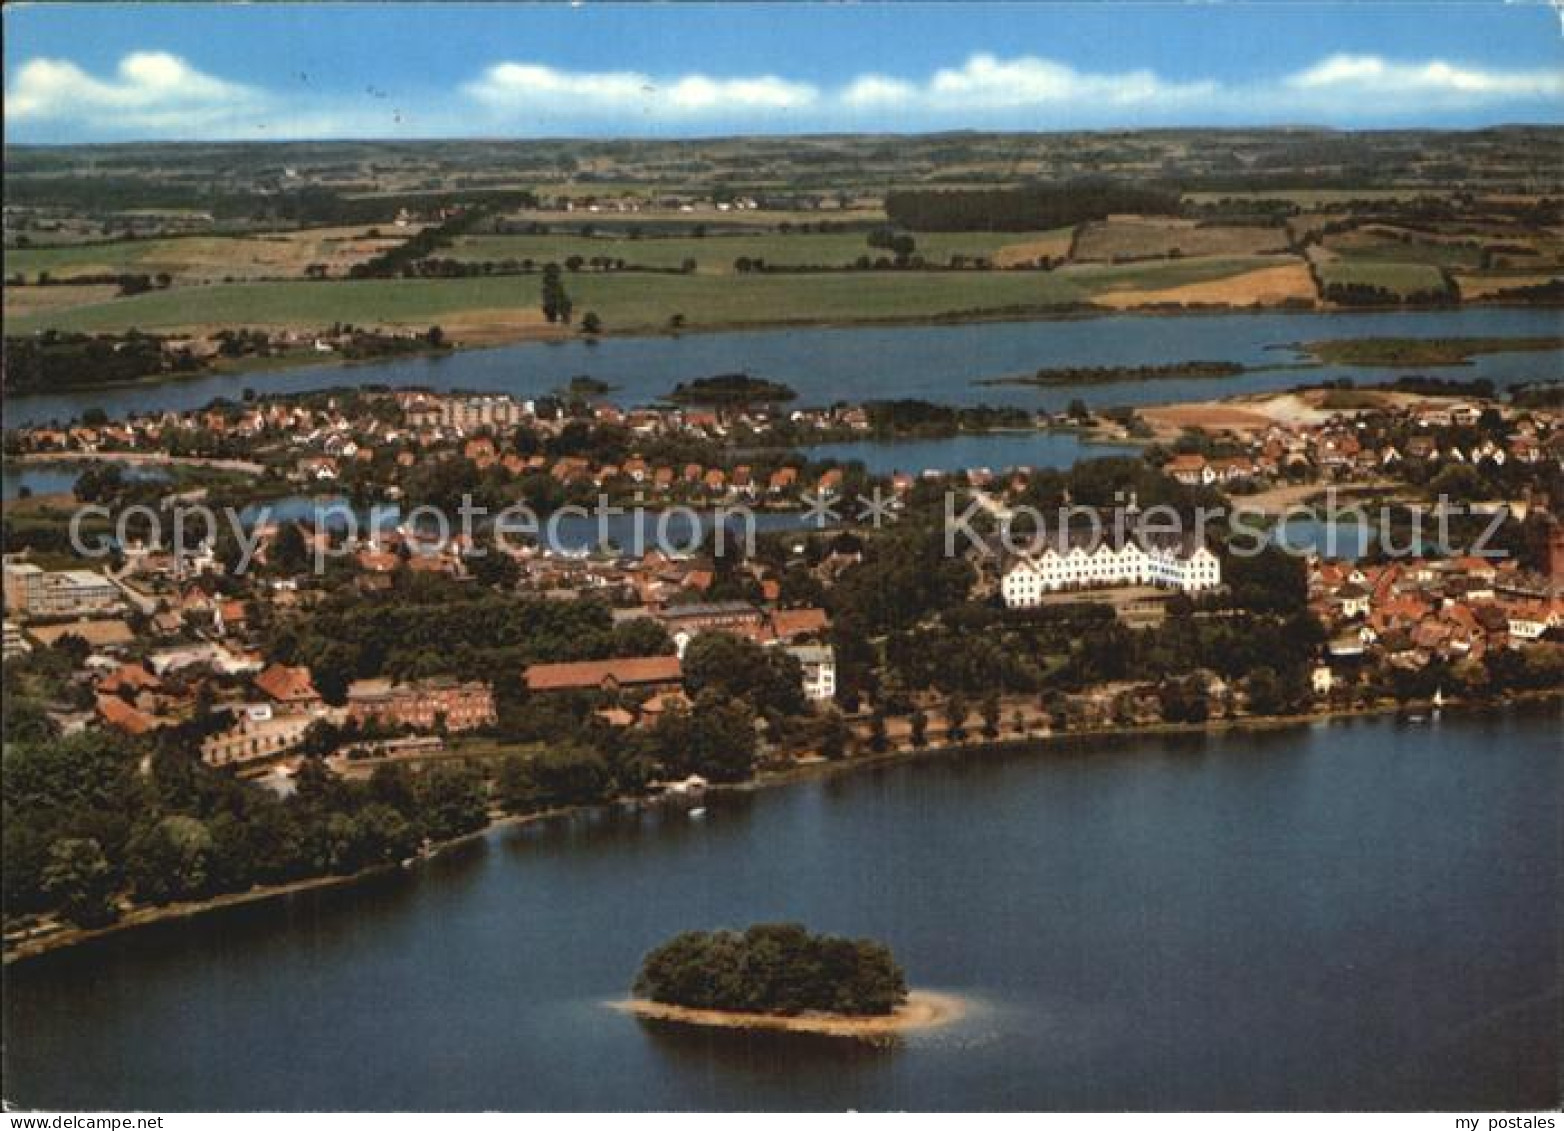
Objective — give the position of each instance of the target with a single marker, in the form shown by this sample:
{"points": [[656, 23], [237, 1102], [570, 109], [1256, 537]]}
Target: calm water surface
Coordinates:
{"points": [[1357, 914], [997, 451], [937, 363]]}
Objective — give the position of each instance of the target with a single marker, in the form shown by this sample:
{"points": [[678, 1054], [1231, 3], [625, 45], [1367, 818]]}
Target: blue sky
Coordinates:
{"points": [[106, 72]]}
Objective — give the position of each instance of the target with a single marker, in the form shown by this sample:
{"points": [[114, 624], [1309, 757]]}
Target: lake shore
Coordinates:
{"points": [[32, 943], [922, 1010], [463, 340]]}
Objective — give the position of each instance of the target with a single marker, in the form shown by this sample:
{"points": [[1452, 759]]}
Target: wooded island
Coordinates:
{"points": [[775, 968]]}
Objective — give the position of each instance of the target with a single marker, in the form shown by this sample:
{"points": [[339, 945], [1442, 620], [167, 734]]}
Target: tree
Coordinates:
{"points": [[768, 678], [168, 859], [591, 323], [989, 708], [25, 720], [556, 303], [773, 968], [452, 800], [955, 718], [79, 878], [99, 483], [834, 735], [494, 568], [919, 723], [1265, 692], [641, 636], [566, 775], [715, 739], [289, 552]]}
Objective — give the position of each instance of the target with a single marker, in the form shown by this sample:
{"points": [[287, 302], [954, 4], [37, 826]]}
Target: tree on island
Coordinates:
{"points": [[731, 390], [778, 968]]}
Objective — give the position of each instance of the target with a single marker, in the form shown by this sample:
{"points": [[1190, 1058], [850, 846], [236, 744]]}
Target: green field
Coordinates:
{"points": [[715, 254], [1402, 278], [626, 301], [1423, 252]]}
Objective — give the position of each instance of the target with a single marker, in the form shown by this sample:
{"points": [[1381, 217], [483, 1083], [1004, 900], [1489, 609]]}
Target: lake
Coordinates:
{"points": [[997, 451], [1341, 915], [60, 478], [936, 363]]}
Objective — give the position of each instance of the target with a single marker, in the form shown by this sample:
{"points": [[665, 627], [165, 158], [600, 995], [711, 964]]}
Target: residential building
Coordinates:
{"points": [[422, 705], [819, 665]]}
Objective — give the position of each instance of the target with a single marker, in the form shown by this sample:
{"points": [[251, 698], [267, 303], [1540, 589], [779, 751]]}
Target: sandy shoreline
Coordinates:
{"points": [[922, 1010]]}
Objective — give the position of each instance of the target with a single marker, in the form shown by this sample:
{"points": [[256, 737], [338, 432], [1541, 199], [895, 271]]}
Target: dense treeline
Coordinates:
{"points": [[731, 390], [1368, 294], [435, 626], [1029, 208], [912, 417], [86, 830], [1108, 374], [773, 968], [53, 360], [406, 258]]}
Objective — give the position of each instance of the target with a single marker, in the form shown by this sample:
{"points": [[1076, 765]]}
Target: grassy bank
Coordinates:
{"points": [[1377, 352]]}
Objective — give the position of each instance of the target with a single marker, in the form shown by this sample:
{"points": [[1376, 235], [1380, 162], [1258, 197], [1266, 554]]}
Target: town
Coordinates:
{"points": [[821, 641]]}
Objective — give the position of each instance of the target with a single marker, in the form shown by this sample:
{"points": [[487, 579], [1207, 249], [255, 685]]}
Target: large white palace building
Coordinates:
{"points": [[1174, 565]]}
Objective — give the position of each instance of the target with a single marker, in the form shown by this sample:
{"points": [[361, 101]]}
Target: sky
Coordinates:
{"points": [[103, 72]]}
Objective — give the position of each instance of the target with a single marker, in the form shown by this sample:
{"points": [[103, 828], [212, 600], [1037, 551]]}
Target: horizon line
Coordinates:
{"points": [[692, 139]]}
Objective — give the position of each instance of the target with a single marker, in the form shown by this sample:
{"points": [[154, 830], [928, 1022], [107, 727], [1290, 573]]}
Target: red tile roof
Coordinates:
{"points": [[120, 714], [287, 685], [626, 672]]}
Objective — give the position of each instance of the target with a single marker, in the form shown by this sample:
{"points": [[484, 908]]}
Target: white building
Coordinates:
{"points": [[1057, 568], [819, 664], [257, 732], [468, 413], [64, 593], [15, 645]]}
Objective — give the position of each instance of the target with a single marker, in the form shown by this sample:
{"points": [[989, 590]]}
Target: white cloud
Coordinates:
{"points": [[150, 90], [1360, 76], [152, 94], [876, 91], [534, 91], [985, 82]]}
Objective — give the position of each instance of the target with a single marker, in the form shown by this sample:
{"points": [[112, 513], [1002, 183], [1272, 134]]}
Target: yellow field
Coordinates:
{"points": [[1268, 286], [1144, 237], [1052, 245], [209, 259], [23, 301]]}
